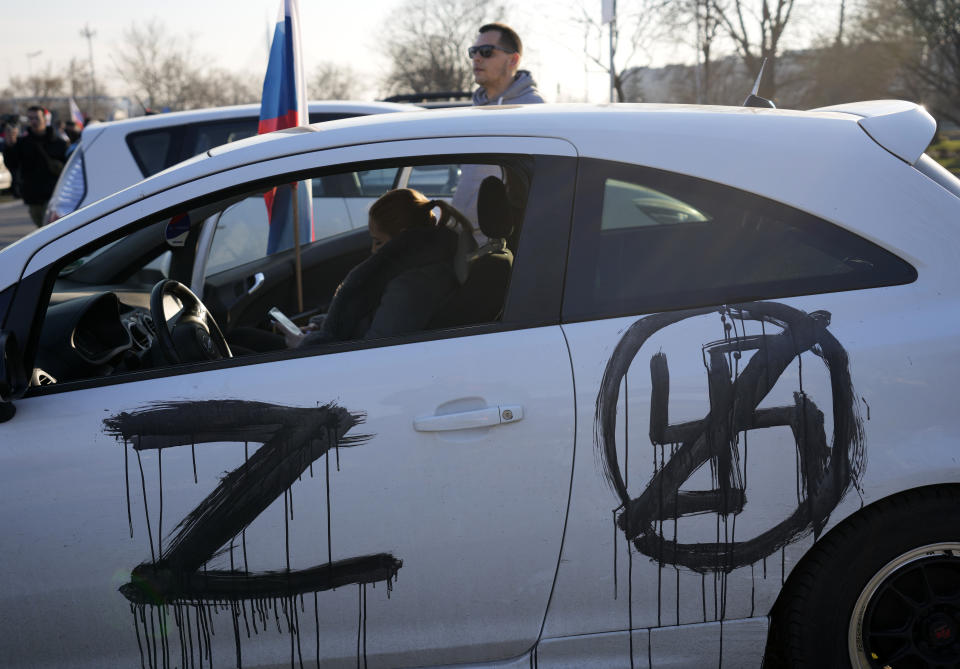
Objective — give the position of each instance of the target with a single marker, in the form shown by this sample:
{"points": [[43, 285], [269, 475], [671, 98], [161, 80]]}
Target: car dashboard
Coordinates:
{"points": [[92, 335]]}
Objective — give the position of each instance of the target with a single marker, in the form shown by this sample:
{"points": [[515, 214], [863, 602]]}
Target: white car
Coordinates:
{"points": [[6, 179], [112, 156], [710, 419]]}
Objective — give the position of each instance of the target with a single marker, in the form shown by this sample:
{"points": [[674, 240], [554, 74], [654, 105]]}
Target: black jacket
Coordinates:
{"points": [[40, 159], [394, 291]]}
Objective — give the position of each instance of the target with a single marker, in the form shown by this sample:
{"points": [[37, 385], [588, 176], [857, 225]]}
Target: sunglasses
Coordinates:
{"points": [[486, 50]]}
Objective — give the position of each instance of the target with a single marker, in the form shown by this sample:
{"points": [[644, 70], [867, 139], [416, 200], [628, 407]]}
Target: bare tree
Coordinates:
{"points": [[162, 71], [935, 60], [79, 84], [756, 28], [838, 40], [77, 79], [701, 18], [332, 81], [157, 67], [918, 42], [837, 73], [639, 25], [217, 87], [41, 86], [426, 43]]}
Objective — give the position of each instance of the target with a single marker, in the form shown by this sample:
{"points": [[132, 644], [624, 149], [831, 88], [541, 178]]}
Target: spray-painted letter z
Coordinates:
{"points": [[292, 438]]}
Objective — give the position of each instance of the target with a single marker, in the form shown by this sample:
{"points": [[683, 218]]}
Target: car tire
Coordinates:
{"points": [[881, 589]]}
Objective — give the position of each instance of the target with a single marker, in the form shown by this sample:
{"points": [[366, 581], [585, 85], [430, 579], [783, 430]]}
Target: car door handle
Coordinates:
{"points": [[465, 420], [255, 282]]}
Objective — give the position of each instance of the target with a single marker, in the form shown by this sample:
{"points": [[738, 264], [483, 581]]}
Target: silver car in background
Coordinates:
{"points": [[112, 156]]}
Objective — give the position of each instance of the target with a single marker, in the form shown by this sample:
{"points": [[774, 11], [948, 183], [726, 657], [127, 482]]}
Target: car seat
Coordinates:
{"points": [[481, 296]]}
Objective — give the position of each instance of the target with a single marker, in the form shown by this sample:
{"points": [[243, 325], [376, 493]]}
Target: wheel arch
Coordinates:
{"points": [[774, 655]]}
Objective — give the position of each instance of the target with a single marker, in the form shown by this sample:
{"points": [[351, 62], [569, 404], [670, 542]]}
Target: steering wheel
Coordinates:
{"points": [[189, 335]]}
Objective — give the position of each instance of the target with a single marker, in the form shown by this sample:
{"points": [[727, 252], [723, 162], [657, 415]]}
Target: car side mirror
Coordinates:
{"points": [[13, 378]]}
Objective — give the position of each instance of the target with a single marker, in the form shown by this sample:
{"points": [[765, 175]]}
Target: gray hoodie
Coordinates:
{"points": [[522, 91]]}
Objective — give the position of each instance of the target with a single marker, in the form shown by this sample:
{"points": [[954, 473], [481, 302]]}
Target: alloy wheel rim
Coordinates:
{"points": [[908, 614]]}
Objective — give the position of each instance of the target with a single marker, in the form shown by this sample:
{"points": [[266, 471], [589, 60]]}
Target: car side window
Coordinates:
{"points": [[646, 240], [153, 150], [99, 322], [240, 235], [340, 202], [208, 135], [242, 232], [376, 182], [435, 181], [630, 205]]}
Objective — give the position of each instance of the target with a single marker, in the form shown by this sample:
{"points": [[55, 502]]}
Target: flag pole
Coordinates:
{"points": [[303, 118], [284, 105], [297, 266]]}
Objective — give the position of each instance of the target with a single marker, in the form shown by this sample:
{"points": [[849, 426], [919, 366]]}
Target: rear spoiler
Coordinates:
{"points": [[905, 129]]}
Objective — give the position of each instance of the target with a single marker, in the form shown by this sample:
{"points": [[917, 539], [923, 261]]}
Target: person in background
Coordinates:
{"points": [[73, 136], [39, 156], [496, 54], [60, 130]]}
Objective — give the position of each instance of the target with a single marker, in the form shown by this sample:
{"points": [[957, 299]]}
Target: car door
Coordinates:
{"points": [[721, 378], [398, 502]]}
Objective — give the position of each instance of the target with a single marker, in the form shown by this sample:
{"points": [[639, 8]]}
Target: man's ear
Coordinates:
{"points": [[515, 61]]}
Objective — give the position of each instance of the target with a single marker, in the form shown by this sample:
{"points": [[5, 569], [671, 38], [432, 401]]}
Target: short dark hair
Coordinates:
{"points": [[508, 36], [37, 108]]}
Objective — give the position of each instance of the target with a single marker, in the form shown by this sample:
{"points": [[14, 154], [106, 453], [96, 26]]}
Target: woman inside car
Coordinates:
{"points": [[407, 278]]}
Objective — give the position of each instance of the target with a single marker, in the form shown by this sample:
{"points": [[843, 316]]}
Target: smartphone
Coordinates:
{"points": [[281, 319]]}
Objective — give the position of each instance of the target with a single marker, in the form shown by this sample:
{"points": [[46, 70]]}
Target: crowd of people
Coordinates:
{"points": [[35, 156]]}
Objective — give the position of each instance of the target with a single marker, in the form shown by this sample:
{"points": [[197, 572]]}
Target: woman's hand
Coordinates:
{"points": [[293, 340]]}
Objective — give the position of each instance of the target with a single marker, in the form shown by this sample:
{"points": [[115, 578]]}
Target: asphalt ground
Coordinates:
{"points": [[14, 221]]}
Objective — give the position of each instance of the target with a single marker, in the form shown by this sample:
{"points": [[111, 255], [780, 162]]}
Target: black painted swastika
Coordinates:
{"points": [[826, 470]]}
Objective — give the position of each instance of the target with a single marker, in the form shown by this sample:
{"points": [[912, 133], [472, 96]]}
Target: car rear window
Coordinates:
{"points": [[646, 240], [152, 149], [204, 136]]}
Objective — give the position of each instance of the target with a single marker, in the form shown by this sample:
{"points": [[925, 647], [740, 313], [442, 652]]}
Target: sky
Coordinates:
{"points": [[232, 34]]}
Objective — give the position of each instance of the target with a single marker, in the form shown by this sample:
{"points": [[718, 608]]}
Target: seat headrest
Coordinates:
{"points": [[495, 216]]}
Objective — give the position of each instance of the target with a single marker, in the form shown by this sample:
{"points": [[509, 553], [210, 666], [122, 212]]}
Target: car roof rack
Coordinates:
{"points": [[430, 97], [434, 99]]}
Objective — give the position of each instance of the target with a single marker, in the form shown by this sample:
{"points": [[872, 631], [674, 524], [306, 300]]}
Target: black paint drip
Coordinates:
{"points": [[826, 471], [737, 385], [177, 584]]}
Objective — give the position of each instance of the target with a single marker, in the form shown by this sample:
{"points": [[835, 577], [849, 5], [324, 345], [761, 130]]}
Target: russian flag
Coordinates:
{"points": [[75, 115], [284, 105]]}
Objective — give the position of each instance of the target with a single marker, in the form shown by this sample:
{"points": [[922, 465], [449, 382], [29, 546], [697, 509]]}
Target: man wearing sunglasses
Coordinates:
{"points": [[496, 57]]}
